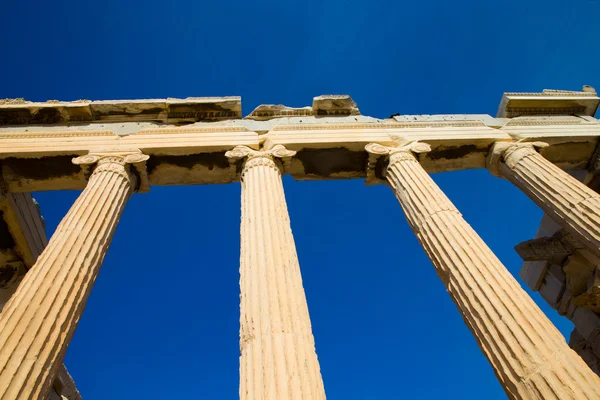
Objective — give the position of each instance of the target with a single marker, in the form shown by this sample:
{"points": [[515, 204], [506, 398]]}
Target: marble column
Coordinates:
{"points": [[529, 356], [278, 359], [569, 202], [39, 320]]}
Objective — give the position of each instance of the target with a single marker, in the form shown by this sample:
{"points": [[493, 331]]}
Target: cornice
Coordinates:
{"points": [[214, 129], [54, 134], [552, 93], [557, 121], [350, 126]]}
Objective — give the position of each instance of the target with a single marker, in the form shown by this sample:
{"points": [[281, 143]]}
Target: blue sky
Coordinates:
{"points": [[162, 320]]}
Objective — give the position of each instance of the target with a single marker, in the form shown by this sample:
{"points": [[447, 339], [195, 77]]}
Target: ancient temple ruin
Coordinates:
{"points": [[545, 143]]}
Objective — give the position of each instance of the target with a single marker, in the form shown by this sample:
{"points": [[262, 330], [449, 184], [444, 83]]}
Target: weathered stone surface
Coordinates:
{"points": [[528, 354], [553, 286], [566, 305], [533, 273], [585, 351], [483, 118], [191, 109], [266, 112], [555, 248], [569, 202], [561, 102], [39, 320], [11, 275], [330, 140], [194, 109], [457, 143], [64, 385], [334, 104], [21, 216], [278, 358], [25, 229], [570, 140], [22, 239], [587, 323], [578, 271], [28, 113], [179, 155], [590, 299], [588, 286]]}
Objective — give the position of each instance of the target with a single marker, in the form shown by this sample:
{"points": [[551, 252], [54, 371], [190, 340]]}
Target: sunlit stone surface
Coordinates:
{"points": [[546, 143]]}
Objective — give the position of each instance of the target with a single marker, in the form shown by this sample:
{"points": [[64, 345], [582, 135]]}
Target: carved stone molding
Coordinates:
{"points": [[265, 112], [386, 125], [211, 129], [511, 153], [55, 134], [118, 162], [554, 248], [553, 92], [380, 155], [544, 121], [276, 157]]}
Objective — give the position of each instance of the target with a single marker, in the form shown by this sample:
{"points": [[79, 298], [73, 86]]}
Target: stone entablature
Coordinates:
{"points": [[550, 102], [191, 109], [38, 158]]}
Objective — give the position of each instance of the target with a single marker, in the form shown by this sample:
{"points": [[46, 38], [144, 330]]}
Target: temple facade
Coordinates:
{"points": [[545, 143]]}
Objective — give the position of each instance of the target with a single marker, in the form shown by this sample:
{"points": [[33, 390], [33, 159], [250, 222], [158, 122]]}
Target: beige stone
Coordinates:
{"points": [[265, 112], [38, 141], [169, 110], [334, 104], [39, 320], [529, 356], [22, 226], [549, 102], [569, 202], [278, 358], [179, 155]]}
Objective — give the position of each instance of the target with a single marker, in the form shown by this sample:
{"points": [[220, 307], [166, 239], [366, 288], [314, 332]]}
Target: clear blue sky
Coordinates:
{"points": [[162, 320]]}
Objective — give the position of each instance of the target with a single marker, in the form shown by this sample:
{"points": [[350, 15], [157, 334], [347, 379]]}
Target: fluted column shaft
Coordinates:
{"points": [[38, 322], [569, 202], [278, 359], [529, 356]]}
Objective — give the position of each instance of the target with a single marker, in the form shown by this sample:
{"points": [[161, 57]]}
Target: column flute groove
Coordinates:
{"points": [[569, 202], [40, 318], [278, 360], [529, 356]]}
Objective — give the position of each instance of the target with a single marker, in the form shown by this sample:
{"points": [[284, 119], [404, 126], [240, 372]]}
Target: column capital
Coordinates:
{"points": [[510, 153], [390, 155], [275, 157], [118, 161]]}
